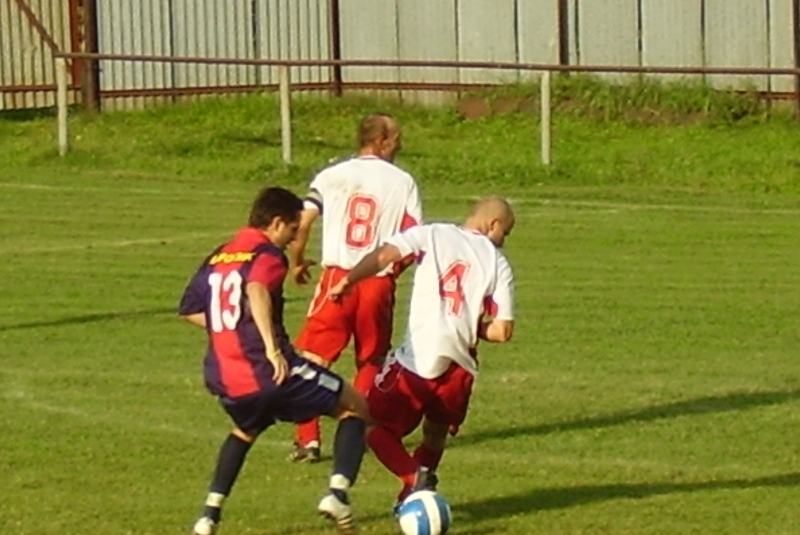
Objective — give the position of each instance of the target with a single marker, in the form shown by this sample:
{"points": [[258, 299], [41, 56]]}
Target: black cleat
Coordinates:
{"points": [[302, 454], [425, 480]]}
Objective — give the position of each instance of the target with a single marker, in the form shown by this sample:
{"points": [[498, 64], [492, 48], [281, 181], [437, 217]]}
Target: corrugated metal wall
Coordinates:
{"points": [[719, 33], [692, 33], [672, 33], [27, 77], [608, 33], [737, 35], [781, 51], [244, 29], [370, 30]]}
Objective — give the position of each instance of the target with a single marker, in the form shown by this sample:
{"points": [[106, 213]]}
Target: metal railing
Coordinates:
{"points": [[285, 85]]}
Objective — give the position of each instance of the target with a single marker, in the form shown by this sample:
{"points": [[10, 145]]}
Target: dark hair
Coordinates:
{"points": [[373, 127], [274, 202]]}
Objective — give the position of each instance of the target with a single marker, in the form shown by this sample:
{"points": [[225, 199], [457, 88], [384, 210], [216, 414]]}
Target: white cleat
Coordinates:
{"points": [[334, 509], [205, 526]]}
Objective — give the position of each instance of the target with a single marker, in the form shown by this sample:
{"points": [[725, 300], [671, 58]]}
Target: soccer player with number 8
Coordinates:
{"points": [[362, 201]]}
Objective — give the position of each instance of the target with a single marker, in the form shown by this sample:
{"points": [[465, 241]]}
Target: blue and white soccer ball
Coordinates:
{"points": [[424, 513]]}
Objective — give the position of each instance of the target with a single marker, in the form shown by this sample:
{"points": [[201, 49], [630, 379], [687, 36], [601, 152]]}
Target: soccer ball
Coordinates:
{"points": [[424, 513]]}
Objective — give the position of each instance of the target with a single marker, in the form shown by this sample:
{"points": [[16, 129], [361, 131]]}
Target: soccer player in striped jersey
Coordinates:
{"points": [[236, 296]]}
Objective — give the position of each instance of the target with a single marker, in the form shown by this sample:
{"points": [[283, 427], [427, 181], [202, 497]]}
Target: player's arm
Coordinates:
{"points": [[198, 319], [396, 249], [500, 327], [372, 264], [297, 248], [261, 309], [412, 216], [266, 275], [192, 306], [495, 330]]}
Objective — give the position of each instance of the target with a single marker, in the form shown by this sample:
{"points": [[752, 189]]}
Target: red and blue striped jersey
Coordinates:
{"points": [[235, 362]]}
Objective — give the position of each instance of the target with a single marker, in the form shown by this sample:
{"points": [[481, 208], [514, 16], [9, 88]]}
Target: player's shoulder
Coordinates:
{"points": [[405, 175], [392, 170], [503, 266], [332, 166], [442, 227]]}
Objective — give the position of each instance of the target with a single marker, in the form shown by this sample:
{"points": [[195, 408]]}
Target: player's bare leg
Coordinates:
{"points": [[430, 451], [231, 457], [308, 434], [348, 451]]}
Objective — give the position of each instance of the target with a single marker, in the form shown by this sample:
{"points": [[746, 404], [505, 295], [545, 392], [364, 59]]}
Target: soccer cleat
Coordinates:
{"points": [[303, 454], [425, 480], [205, 526], [338, 511]]}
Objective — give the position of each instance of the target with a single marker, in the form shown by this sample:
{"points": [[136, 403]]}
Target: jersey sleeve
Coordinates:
{"points": [[313, 199], [268, 270], [500, 304], [412, 215], [194, 299], [411, 242]]}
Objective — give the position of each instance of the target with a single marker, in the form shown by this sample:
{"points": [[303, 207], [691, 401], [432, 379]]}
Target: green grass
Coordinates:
{"points": [[652, 386]]}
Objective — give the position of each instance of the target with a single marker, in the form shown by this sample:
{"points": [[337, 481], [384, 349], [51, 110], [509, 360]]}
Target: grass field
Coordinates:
{"points": [[653, 385]]}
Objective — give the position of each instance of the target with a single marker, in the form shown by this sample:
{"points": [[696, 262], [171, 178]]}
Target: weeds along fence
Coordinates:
{"points": [[285, 89]]}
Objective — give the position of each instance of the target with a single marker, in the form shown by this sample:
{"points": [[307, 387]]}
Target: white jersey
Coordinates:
{"points": [[460, 276], [363, 202]]}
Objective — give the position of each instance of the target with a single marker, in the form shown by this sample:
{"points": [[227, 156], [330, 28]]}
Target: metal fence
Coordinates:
{"points": [[647, 33], [30, 31]]}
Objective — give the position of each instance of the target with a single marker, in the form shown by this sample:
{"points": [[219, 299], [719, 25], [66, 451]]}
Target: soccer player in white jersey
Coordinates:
{"points": [[463, 292], [363, 201]]}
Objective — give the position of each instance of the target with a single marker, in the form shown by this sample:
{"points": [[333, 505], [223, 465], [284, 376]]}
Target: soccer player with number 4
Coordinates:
{"points": [[461, 279], [236, 295], [362, 201]]}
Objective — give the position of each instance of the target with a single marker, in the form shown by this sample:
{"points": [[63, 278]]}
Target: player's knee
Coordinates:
{"points": [[244, 436], [352, 404]]}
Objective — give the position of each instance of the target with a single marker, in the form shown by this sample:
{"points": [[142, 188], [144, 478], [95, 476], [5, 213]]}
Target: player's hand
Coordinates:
{"points": [[279, 365], [300, 272], [339, 289]]}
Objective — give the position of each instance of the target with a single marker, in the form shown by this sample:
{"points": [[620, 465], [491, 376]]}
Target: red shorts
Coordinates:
{"points": [[365, 313], [400, 398]]}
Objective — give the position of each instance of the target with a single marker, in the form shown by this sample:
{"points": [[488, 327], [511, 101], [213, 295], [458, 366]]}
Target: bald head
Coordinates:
{"points": [[493, 217], [492, 206], [379, 135]]}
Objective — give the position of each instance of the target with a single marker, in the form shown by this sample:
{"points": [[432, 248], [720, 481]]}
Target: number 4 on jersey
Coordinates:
{"points": [[451, 287]]}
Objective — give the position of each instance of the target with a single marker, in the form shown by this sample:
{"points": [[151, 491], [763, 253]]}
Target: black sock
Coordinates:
{"points": [[229, 463], [348, 450]]}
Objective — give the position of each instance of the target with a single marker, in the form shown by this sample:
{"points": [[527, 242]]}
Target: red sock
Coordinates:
{"points": [[390, 451], [307, 432], [365, 377], [428, 457]]}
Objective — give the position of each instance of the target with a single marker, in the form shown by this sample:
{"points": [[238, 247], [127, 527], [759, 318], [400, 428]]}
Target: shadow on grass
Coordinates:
{"points": [[27, 114], [733, 401], [544, 499], [33, 114], [99, 317], [90, 318]]}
